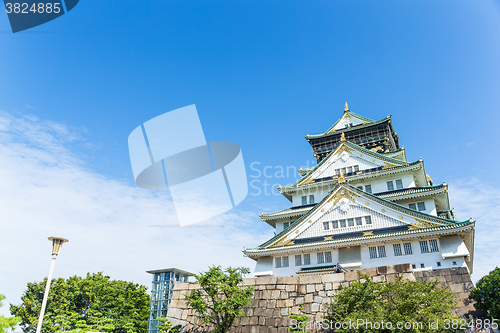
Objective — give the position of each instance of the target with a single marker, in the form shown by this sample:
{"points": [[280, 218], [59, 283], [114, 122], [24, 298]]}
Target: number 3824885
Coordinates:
{"points": [[40, 8]]}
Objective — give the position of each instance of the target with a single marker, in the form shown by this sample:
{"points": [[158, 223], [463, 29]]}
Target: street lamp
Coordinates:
{"points": [[57, 243]]}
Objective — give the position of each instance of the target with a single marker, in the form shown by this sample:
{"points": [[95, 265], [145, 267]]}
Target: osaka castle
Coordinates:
{"points": [[363, 205]]}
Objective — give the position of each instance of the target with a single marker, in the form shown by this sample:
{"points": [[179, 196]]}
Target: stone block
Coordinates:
{"points": [[288, 280], [391, 277], [315, 307], [295, 310], [262, 303], [302, 289], [335, 285], [409, 276], [328, 286], [308, 298], [273, 330], [345, 284], [265, 280], [246, 329], [271, 304], [337, 277], [383, 270], [457, 288], [282, 329], [308, 279], [284, 295], [457, 278], [280, 286], [351, 276], [378, 278], [299, 300], [254, 320], [306, 308], [291, 287], [249, 281], [284, 311], [254, 329], [289, 302], [310, 288], [322, 293], [318, 299], [280, 303], [320, 287], [269, 321], [403, 268], [275, 294], [249, 312], [369, 271], [262, 320], [266, 294]]}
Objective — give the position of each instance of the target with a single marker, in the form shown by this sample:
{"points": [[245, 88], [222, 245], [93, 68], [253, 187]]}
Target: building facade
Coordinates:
{"points": [[161, 293], [363, 205]]}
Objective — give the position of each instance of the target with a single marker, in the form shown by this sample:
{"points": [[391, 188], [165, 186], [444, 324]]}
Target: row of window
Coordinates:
{"points": [[368, 188], [375, 252], [304, 259], [347, 222], [399, 185], [417, 205], [346, 170], [304, 199], [438, 264], [425, 247]]}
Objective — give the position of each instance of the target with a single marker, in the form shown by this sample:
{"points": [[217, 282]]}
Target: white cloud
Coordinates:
{"points": [[481, 201], [47, 190]]}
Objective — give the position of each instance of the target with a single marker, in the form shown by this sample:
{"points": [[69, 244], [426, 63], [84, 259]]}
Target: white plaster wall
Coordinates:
{"points": [[428, 259], [378, 185]]}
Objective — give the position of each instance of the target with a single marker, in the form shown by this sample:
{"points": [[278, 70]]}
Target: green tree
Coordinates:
{"points": [[369, 304], [166, 326], [221, 296], [487, 293], [5, 322], [93, 303]]}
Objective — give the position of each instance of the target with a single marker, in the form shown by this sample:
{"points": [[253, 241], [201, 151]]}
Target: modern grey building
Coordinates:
{"points": [[161, 293]]}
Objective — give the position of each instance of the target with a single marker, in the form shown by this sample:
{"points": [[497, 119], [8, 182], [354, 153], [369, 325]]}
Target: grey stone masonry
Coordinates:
{"points": [[275, 298]]}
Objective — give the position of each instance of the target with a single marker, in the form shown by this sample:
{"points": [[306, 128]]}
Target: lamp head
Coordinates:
{"points": [[57, 242]]}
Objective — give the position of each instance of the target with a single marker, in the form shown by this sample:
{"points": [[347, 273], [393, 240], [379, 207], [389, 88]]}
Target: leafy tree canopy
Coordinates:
{"points": [[6, 323], [385, 304], [221, 296], [93, 303], [487, 293]]}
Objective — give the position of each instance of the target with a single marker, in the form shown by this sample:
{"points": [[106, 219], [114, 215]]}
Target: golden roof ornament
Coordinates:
{"points": [[342, 137], [341, 178], [346, 108]]}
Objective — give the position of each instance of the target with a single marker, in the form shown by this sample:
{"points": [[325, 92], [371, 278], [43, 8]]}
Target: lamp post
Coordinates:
{"points": [[57, 243]]}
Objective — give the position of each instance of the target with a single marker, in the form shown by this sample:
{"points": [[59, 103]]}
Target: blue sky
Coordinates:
{"points": [[262, 75]]}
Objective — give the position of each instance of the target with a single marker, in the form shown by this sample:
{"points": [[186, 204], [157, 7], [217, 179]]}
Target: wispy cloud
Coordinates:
{"points": [[481, 201], [46, 189]]}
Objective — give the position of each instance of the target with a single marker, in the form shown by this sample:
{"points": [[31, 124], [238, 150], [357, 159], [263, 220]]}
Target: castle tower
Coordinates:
{"points": [[363, 205]]}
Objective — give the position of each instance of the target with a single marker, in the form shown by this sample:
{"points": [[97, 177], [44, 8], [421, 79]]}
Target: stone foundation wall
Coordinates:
{"points": [[276, 298]]}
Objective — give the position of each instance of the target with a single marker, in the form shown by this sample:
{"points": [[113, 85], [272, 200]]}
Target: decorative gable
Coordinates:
{"points": [[348, 211], [349, 158]]}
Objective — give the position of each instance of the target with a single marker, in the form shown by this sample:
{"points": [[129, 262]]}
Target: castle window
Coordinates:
{"points": [[377, 252], [304, 200], [433, 245], [326, 225], [286, 225], [307, 259], [390, 186], [407, 248], [422, 266], [397, 250], [368, 188], [280, 262], [337, 171], [356, 168], [368, 220], [413, 206], [424, 247], [438, 264], [335, 224], [284, 261], [298, 260], [413, 266], [311, 199], [277, 262], [454, 263], [328, 257], [344, 171], [399, 184], [342, 223], [321, 258], [360, 188], [350, 222], [421, 206], [359, 221]]}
